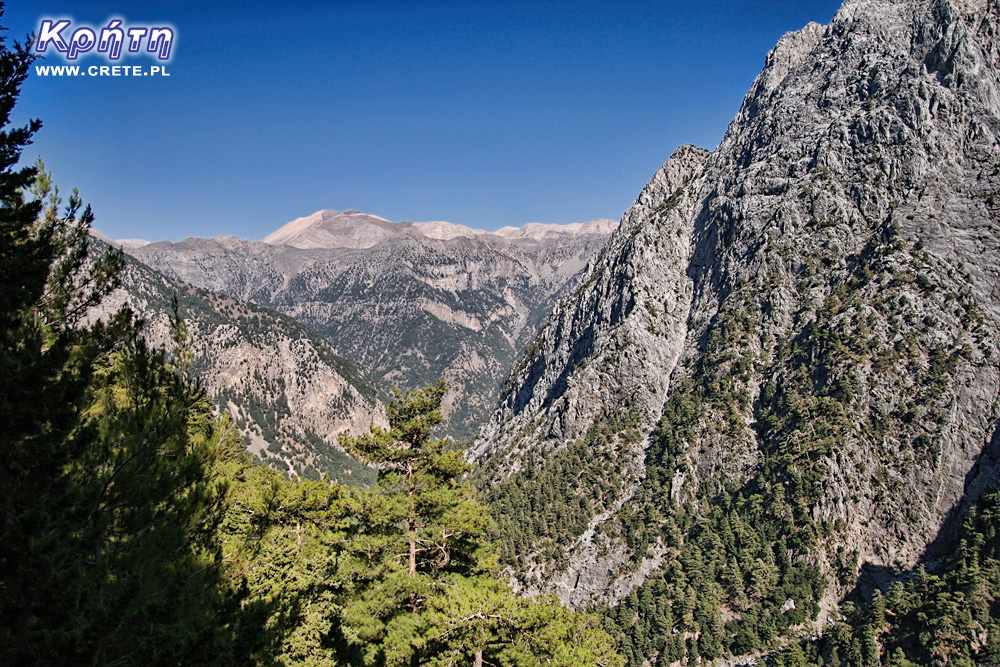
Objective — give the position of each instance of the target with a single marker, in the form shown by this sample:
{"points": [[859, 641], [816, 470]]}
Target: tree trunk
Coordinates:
{"points": [[412, 531], [413, 518], [478, 659]]}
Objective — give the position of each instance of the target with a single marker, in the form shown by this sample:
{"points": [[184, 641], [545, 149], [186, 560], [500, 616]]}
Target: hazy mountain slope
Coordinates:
{"points": [[824, 353], [290, 394], [409, 302]]}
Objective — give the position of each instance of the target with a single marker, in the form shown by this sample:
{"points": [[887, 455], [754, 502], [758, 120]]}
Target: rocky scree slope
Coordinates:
{"points": [[779, 381], [409, 302], [288, 391]]}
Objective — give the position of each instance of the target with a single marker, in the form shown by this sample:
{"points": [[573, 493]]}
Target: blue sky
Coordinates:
{"points": [[481, 113]]}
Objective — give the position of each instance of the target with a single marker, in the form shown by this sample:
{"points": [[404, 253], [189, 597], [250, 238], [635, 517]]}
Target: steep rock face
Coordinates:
{"points": [[409, 302], [289, 393], [831, 300], [622, 327], [854, 200]]}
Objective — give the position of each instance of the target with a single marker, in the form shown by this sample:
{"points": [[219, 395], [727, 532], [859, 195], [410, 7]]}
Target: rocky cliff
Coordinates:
{"points": [[409, 302], [620, 329], [784, 364]]}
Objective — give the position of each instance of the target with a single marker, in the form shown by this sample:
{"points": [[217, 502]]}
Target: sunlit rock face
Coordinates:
{"points": [[826, 283]]}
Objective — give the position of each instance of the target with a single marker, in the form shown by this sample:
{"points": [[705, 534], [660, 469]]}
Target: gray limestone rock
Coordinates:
{"points": [[843, 240]]}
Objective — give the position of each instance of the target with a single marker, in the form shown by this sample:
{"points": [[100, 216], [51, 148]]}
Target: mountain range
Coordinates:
{"points": [[410, 302], [767, 399]]}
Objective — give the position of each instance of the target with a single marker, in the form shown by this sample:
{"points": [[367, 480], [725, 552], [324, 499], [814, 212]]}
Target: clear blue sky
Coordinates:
{"points": [[480, 113]]}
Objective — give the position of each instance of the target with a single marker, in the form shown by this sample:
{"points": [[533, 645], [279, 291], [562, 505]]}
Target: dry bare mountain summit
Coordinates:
{"points": [[791, 340], [409, 302]]}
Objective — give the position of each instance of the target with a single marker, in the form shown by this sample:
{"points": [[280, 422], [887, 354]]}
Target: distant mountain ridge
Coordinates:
{"points": [[410, 301], [332, 229], [329, 230]]}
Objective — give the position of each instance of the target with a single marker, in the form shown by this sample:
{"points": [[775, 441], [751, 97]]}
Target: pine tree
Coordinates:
{"points": [[428, 592], [427, 528], [108, 494], [45, 361]]}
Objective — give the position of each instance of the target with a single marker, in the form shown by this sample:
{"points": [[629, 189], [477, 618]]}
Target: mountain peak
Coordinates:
{"points": [[814, 259], [333, 229]]}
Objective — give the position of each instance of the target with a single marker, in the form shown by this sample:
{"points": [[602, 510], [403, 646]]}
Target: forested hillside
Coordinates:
{"points": [[289, 393]]}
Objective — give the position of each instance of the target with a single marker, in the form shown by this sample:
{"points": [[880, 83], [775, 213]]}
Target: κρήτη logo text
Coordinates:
{"points": [[113, 40]]}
